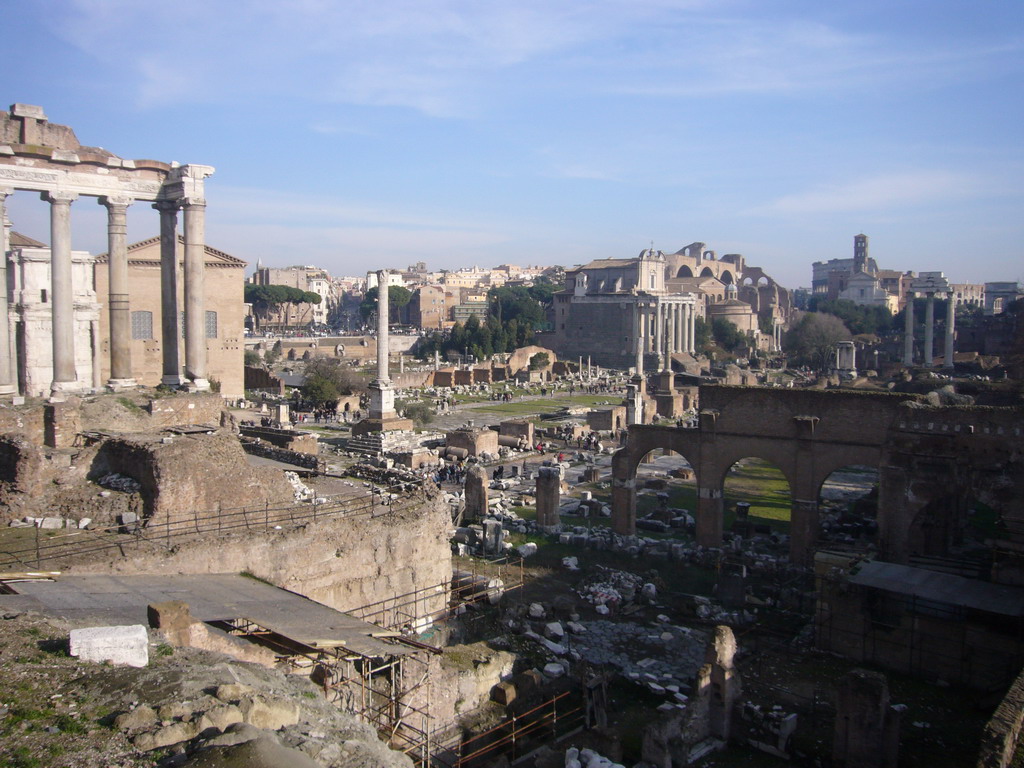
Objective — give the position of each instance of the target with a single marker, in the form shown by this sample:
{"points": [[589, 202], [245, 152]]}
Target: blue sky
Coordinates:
{"points": [[363, 135]]}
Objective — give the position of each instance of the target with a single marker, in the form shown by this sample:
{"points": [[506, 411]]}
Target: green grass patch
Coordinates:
{"points": [[765, 488]]}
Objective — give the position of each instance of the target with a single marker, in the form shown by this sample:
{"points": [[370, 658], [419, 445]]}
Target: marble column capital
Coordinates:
{"points": [[167, 206], [5, 191], [59, 196], [115, 201], [193, 202]]}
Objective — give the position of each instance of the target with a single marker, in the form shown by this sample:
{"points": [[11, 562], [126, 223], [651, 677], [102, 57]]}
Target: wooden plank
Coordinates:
{"points": [[29, 575]]}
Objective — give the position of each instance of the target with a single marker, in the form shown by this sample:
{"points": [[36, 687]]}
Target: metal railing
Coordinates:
{"points": [[55, 544]]}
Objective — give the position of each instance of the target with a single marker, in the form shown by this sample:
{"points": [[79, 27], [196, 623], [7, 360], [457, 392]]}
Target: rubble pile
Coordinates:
{"points": [[123, 483], [587, 758]]}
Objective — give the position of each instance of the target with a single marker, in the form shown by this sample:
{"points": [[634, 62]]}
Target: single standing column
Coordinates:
{"points": [[908, 331], [170, 330], [929, 331], [950, 322], [7, 385], [693, 329], [117, 269], [61, 294], [382, 326], [195, 303], [680, 338], [638, 330], [670, 337]]}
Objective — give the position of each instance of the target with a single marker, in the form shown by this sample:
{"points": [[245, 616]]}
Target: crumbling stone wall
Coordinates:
{"points": [[345, 563], [182, 474], [1001, 737], [475, 441], [21, 472]]}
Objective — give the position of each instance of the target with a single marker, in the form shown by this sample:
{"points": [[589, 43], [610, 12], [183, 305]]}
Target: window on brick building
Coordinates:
{"points": [[142, 324]]}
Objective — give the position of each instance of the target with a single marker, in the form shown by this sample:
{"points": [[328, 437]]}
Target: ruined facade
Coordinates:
{"points": [[45, 158], [932, 461]]}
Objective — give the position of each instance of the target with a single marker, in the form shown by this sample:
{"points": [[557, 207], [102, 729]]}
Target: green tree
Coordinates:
{"points": [[398, 297], [417, 410], [252, 358], [539, 361], [268, 298], [273, 354], [344, 379], [812, 341], [727, 335], [875, 319], [320, 392], [701, 334]]}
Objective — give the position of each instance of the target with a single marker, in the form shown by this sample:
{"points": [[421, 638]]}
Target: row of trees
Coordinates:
{"points": [[513, 314], [266, 299]]}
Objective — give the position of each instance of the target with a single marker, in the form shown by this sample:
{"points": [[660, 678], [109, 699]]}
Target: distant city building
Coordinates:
{"points": [[305, 278], [611, 309], [1000, 295]]}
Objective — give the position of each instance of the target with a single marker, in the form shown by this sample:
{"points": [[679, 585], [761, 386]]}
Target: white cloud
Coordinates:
{"points": [[878, 193]]}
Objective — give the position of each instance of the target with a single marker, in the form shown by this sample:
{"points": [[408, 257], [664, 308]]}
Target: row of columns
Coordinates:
{"points": [[62, 305], [928, 353], [665, 327]]}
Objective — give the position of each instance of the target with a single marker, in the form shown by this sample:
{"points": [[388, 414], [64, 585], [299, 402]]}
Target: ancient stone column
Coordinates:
{"points": [[7, 383], [117, 301], [908, 332], [195, 298], [549, 488], [623, 494], [170, 330], [680, 329], [638, 329], [62, 295], [929, 330], [692, 340], [382, 326], [803, 531], [476, 493], [950, 322], [710, 511], [867, 727], [725, 682]]}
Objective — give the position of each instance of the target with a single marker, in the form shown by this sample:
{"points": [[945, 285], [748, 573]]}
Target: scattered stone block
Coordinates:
{"points": [[139, 718], [554, 669], [503, 693], [125, 645]]}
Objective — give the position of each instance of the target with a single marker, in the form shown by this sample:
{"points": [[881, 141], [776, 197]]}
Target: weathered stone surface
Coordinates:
{"points": [[476, 492], [233, 692], [262, 752], [175, 733], [172, 618], [119, 645], [503, 693], [220, 717], [867, 728], [268, 712], [140, 717]]}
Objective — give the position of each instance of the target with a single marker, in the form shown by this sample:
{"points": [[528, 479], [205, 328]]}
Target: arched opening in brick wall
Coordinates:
{"points": [[757, 499], [848, 507], [666, 492]]}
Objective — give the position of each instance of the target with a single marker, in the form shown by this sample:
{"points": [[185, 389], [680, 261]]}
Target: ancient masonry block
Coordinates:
{"points": [[126, 645]]}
